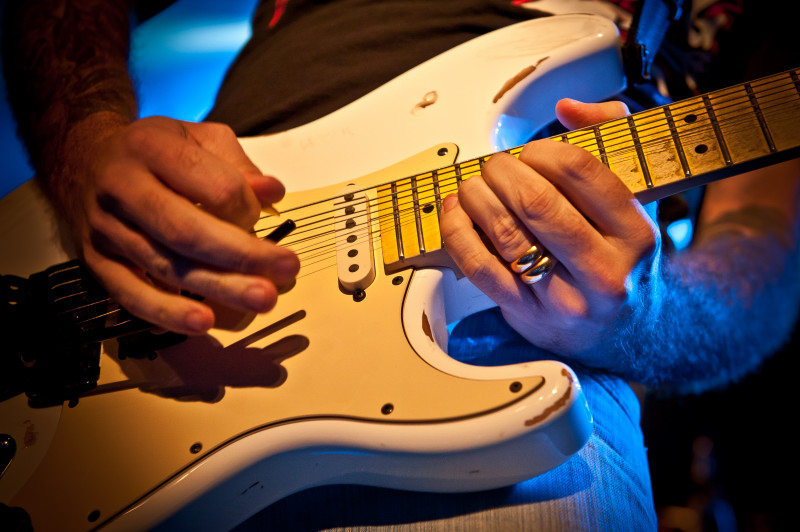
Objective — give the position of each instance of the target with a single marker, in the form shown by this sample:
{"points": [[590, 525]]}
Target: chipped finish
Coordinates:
{"points": [[555, 407], [426, 327], [427, 100], [525, 72]]}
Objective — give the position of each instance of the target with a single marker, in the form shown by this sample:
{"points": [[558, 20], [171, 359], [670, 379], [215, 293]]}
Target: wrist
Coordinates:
{"points": [[71, 159]]}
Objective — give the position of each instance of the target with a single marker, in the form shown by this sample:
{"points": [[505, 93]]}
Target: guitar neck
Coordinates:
{"points": [[657, 153]]}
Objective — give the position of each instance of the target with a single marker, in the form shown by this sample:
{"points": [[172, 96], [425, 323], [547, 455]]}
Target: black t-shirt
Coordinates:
{"points": [[315, 56]]}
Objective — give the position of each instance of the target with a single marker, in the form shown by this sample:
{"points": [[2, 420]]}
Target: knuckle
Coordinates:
{"points": [[160, 267], [574, 311], [139, 136], [580, 163], [611, 283], [175, 232], [478, 270], [251, 260], [496, 162], [506, 233], [219, 131], [649, 240], [228, 192], [540, 203]]}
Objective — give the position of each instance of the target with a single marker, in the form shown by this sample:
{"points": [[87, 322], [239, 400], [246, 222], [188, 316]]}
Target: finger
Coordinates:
{"points": [[509, 236], [575, 115], [243, 292], [595, 191], [267, 189], [143, 300], [176, 158], [220, 140], [541, 208], [195, 234], [488, 272]]}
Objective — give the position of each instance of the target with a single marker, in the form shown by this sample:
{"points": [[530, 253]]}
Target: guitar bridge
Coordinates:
{"points": [[53, 325]]}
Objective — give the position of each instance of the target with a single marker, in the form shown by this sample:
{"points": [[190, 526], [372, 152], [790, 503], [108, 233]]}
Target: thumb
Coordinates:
{"points": [[575, 115]]}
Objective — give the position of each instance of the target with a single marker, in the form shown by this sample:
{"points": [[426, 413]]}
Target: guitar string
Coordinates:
{"points": [[622, 135], [627, 149], [719, 106], [611, 151]]}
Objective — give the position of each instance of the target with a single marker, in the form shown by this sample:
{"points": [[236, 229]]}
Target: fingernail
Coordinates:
{"points": [[196, 322], [449, 202], [255, 298]]}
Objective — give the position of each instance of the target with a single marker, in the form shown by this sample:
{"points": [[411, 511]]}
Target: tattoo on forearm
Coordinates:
{"points": [[65, 60]]}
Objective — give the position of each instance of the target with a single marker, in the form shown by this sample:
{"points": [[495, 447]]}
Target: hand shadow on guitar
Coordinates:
{"points": [[199, 368]]}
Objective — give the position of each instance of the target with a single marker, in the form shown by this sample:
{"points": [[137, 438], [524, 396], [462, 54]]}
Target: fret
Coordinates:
{"points": [[757, 109], [622, 152], [397, 227], [417, 217], [650, 151], [640, 153], [430, 202], [598, 138], [586, 139], [779, 99], [657, 154], [717, 131], [693, 126], [468, 169], [437, 193], [676, 140], [739, 123]]}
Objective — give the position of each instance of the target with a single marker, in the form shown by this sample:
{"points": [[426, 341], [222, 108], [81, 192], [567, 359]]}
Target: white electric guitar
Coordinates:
{"points": [[347, 380]]}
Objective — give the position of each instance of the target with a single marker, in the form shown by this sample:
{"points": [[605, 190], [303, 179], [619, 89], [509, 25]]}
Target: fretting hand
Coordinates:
{"points": [[600, 241]]}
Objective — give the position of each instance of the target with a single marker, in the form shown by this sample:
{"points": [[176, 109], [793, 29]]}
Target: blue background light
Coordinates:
{"points": [[680, 232], [177, 60]]}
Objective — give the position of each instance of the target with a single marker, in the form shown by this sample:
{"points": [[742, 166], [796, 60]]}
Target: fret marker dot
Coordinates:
{"points": [[690, 119], [701, 148], [427, 209]]}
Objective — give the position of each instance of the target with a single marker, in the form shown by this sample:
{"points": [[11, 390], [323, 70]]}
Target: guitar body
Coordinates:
{"points": [[346, 380]]}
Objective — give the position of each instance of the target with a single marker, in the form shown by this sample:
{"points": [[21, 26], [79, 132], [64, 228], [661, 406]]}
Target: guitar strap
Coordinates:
{"points": [[651, 20]]}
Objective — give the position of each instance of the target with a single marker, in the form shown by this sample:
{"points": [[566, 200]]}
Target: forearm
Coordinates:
{"points": [[66, 61], [729, 301]]}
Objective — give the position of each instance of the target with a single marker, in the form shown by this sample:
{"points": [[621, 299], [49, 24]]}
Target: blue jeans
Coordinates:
{"points": [[604, 487]]}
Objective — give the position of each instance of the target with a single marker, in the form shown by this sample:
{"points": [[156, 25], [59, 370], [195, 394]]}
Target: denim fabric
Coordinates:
{"points": [[604, 487]]}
